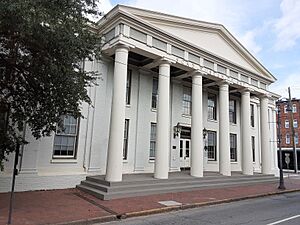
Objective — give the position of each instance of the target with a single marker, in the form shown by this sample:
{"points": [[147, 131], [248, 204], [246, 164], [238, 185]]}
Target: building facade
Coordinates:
{"points": [[289, 120], [172, 93]]}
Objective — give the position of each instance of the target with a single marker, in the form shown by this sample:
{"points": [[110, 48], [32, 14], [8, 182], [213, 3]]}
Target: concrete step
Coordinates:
{"points": [[105, 193], [168, 183]]}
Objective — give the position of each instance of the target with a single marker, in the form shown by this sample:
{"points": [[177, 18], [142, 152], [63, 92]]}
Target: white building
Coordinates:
{"points": [[164, 79]]}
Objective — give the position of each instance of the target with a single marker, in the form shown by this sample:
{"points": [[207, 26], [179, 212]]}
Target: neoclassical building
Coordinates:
{"points": [[172, 94]]}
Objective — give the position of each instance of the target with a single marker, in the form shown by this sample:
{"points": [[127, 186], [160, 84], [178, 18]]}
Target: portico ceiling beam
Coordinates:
{"points": [[210, 84]]}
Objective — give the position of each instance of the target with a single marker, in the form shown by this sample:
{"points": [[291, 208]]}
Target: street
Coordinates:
{"points": [[280, 209]]}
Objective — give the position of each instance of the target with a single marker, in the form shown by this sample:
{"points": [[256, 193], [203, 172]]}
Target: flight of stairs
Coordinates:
{"points": [[145, 184]]}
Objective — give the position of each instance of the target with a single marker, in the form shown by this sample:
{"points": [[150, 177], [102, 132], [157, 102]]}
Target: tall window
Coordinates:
{"points": [[233, 148], [287, 124], [296, 138], [212, 107], [287, 139], [253, 147], [295, 123], [187, 101], [128, 86], [212, 145], [232, 111], [152, 141], [66, 138], [154, 93], [252, 115], [294, 108], [125, 143]]}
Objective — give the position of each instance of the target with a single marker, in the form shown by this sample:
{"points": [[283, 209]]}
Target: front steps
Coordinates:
{"points": [[145, 184]]}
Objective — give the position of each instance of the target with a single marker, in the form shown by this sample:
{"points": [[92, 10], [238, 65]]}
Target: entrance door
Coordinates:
{"points": [[184, 153]]}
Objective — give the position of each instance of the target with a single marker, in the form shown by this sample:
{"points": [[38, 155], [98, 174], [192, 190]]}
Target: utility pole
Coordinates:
{"points": [[290, 109], [281, 181]]}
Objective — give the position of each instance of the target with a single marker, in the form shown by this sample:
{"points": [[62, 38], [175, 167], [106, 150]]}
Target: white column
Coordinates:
{"points": [[264, 130], [224, 136], [197, 127], [247, 156], [117, 121], [161, 170]]}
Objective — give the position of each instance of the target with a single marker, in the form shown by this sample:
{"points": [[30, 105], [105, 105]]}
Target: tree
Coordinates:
{"points": [[42, 45]]}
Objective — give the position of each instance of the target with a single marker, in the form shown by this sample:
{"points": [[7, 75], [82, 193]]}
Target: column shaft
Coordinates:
{"points": [[224, 136], [115, 146], [264, 130], [247, 156], [197, 127], [161, 170]]}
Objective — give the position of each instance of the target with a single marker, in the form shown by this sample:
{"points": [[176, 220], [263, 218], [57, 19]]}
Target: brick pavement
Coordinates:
{"points": [[63, 206]]}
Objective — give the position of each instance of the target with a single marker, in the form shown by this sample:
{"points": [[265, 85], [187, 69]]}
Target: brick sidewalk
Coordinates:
{"points": [[64, 206]]}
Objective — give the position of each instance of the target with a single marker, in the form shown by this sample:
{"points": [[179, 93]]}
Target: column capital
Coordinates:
{"points": [[245, 90], [164, 60], [196, 73], [121, 46], [224, 82]]}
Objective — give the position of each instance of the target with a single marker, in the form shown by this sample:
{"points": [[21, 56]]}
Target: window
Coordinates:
{"points": [[208, 64], [296, 138], [212, 107], [125, 142], [233, 148], [252, 115], [287, 139], [212, 145], [187, 101], [154, 92], [253, 147], [66, 138], [294, 108], [286, 124], [221, 69], [285, 108], [295, 123], [232, 111], [152, 141], [128, 87]]}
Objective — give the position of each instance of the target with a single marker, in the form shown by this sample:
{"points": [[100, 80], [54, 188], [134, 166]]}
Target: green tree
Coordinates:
{"points": [[42, 45]]}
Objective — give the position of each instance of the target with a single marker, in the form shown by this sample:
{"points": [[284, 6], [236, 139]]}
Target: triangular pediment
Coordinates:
{"points": [[209, 37]]}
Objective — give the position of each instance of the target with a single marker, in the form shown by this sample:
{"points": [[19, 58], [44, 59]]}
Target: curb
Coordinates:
{"points": [[169, 209], [102, 219]]}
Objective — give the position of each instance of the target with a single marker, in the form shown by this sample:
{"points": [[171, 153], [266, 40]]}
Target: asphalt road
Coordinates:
{"points": [[278, 209]]}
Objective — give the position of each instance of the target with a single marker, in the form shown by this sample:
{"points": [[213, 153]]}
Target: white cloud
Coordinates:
{"points": [[248, 40], [105, 6], [287, 26], [281, 86]]}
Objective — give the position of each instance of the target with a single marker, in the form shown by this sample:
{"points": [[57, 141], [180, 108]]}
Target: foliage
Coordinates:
{"points": [[42, 45]]}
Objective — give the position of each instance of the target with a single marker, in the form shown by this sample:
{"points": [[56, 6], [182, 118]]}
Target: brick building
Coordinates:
{"points": [[286, 124]]}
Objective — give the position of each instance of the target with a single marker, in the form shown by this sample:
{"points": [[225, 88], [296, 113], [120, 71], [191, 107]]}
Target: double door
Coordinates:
{"points": [[184, 152]]}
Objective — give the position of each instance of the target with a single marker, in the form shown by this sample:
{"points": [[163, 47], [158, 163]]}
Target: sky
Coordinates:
{"points": [[269, 29]]}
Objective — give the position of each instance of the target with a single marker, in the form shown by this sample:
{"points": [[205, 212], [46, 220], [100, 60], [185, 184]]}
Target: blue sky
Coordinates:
{"points": [[269, 29]]}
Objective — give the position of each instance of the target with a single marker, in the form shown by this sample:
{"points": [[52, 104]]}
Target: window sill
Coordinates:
{"points": [[153, 110], [63, 160], [128, 106], [233, 124], [125, 160], [186, 116], [212, 120], [234, 162], [151, 160], [212, 162]]}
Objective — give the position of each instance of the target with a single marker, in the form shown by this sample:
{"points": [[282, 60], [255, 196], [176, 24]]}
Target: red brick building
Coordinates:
{"points": [[286, 124]]}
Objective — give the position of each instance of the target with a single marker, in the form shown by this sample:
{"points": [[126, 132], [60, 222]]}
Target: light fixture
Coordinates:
{"points": [[204, 132], [177, 130]]}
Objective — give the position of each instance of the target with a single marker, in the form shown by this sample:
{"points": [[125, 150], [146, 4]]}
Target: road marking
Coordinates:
{"points": [[281, 221]]}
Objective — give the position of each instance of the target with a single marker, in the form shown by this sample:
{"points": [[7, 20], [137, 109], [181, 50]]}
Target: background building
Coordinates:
{"points": [[164, 80], [287, 122]]}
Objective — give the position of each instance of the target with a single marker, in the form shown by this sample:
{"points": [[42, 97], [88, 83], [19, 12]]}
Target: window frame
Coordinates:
{"points": [[154, 93], [187, 101], [125, 139], [232, 114], [153, 126], [214, 146], [252, 116], [253, 147], [294, 108], [295, 123], [233, 149], [286, 124], [128, 86], [212, 97], [287, 139], [59, 133]]}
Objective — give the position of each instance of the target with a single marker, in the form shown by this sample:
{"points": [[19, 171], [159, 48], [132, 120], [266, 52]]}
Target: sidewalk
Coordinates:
{"points": [[71, 206]]}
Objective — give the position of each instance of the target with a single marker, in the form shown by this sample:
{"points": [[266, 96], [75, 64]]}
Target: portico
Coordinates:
{"points": [[174, 65]]}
